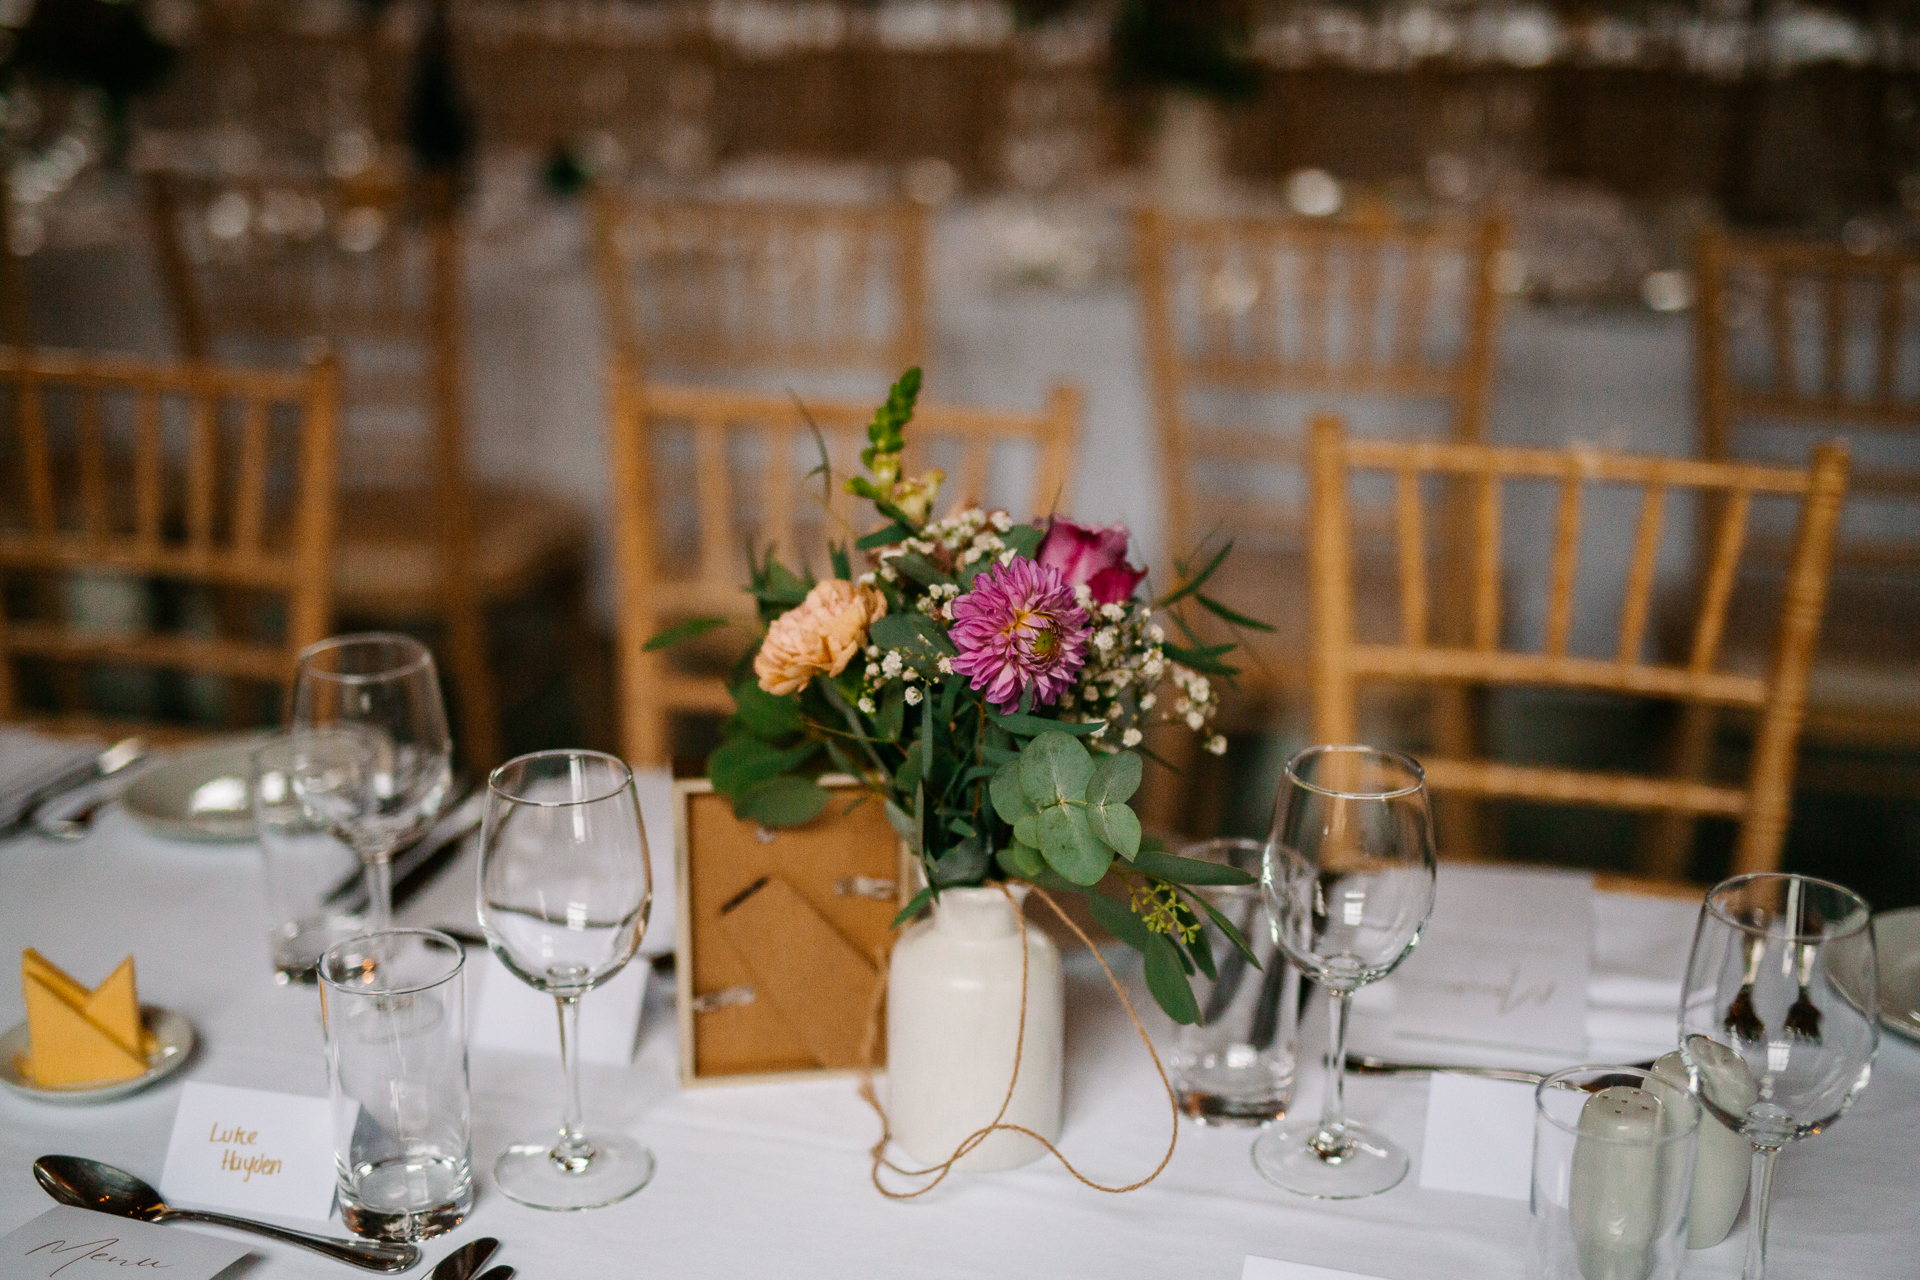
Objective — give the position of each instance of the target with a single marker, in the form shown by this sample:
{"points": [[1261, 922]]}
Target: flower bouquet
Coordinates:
{"points": [[990, 681]]}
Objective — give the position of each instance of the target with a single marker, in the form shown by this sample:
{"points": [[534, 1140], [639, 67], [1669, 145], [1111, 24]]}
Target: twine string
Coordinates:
{"points": [[938, 1172]]}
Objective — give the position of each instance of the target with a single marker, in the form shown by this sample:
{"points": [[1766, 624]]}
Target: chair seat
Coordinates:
{"points": [[386, 553]]}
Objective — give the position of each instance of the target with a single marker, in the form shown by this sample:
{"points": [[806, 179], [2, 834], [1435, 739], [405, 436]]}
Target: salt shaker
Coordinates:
{"points": [[1614, 1195], [1720, 1168]]}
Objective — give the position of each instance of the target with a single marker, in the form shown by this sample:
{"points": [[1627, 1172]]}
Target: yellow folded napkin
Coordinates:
{"points": [[78, 1035]]}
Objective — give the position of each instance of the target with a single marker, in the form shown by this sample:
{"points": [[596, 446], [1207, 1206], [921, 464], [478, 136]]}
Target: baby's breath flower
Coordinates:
{"points": [[891, 664], [945, 664], [1195, 720], [1131, 738], [914, 695], [865, 705], [1217, 744]]}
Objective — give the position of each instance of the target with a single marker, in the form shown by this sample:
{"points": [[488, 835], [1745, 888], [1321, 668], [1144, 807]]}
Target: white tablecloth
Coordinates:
{"points": [[772, 1180]]}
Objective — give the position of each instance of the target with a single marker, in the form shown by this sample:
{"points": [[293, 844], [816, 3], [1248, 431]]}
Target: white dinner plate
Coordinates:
{"points": [[172, 1046], [199, 794], [1896, 939]]}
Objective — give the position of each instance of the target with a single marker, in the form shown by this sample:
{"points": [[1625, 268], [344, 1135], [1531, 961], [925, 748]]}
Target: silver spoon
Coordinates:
{"points": [[1361, 1064], [89, 1184]]}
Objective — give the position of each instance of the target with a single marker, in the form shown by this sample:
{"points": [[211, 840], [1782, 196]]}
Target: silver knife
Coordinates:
{"points": [[463, 1262]]}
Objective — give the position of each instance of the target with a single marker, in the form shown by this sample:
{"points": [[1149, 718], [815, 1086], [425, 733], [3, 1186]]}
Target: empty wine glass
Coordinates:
{"points": [[564, 889], [1349, 880], [1779, 1019], [371, 755]]}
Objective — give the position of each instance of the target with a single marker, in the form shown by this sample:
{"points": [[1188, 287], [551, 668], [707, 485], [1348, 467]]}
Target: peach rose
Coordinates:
{"points": [[817, 637]]}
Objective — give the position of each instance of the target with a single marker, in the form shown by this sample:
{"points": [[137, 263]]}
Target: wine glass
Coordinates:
{"points": [[1779, 1018], [564, 889], [371, 755], [1349, 880]]}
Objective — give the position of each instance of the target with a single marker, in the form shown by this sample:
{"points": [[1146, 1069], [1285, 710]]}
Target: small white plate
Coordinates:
{"points": [[172, 1046], [199, 795], [1896, 939]]}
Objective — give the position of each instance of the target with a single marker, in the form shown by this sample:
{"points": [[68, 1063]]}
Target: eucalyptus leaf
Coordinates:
{"points": [[1200, 947], [1009, 798], [765, 715], [904, 825], [1117, 827], [915, 634], [1021, 861], [683, 631], [782, 802], [1167, 980], [738, 766], [1070, 845], [884, 537], [1118, 919], [1028, 726], [963, 864], [1024, 539], [1054, 768], [1026, 828], [1115, 778], [1167, 866], [914, 907], [1229, 929]]}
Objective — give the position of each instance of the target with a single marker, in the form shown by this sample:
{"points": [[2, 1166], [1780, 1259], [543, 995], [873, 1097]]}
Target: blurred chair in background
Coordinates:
{"points": [[133, 492], [1795, 343], [1341, 659], [703, 478], [258, 268], [1255, 322], [731, 287]]}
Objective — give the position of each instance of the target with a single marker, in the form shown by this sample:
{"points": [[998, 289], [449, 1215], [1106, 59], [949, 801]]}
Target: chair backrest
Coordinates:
{"points": [[1798, 341], [705, 478], [1340, 660], [1365, 309], [257, 268], [729, 285], [195, 475]]}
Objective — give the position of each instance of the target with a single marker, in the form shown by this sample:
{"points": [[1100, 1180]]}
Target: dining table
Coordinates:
{"points": [[775, 1178]]}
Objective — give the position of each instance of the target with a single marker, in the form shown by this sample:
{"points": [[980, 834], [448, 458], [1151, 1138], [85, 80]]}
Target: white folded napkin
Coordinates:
{"points": [[31, 763]]}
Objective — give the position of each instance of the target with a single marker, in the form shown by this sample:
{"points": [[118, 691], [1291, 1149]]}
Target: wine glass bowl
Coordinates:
{"points": [[565, 890], [1349, 883], [371, 753], [1779, 1018]]}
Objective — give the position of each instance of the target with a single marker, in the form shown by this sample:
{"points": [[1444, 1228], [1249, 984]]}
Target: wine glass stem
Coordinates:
{"points": [[1759, 1201], [379, 893], [573, 1153], [1333, 1106]]}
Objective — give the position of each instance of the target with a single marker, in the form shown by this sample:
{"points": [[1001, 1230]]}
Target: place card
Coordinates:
{"points": [[516, 1018], [1271, 1269], [1503, 962], [78, 1244], [251, 1152], [1479, 1137]]}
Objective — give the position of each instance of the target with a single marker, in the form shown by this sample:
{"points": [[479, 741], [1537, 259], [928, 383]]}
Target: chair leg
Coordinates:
{"points": [[1667, 852], [473, 687]]}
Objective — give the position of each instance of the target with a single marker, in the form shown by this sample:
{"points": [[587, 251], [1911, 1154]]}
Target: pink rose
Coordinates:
{"points": [[1091, 555]]}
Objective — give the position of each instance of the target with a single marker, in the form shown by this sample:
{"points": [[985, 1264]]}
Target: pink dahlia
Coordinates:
{"points": [[1093, 555], [1019, 629]]}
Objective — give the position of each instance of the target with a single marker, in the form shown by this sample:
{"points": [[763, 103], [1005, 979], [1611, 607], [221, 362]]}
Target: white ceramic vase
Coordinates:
{"points": [[953, 1012]]}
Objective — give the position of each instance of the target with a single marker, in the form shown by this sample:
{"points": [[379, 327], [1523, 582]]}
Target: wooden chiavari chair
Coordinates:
{"points": [[1797, 342], [699, 286], [196, 476], [1341, 660], [256, 267], [1248, 324], [704, 477]]}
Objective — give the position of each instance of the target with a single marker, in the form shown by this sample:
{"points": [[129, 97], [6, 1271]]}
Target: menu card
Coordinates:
{"points": [[75, 1244], [1503, 963]]}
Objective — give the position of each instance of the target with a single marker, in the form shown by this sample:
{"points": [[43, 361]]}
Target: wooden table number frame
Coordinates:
{"points": [[782, 935]]}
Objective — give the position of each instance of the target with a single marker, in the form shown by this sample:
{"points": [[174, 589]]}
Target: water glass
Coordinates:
{"points": [[1613, 1153], [394, 1008], [313, 878], [1236, 1065]]}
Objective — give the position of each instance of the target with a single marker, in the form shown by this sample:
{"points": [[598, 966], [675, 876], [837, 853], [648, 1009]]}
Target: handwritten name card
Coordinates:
{"points": [[251, 1152], [79, 1244]]}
